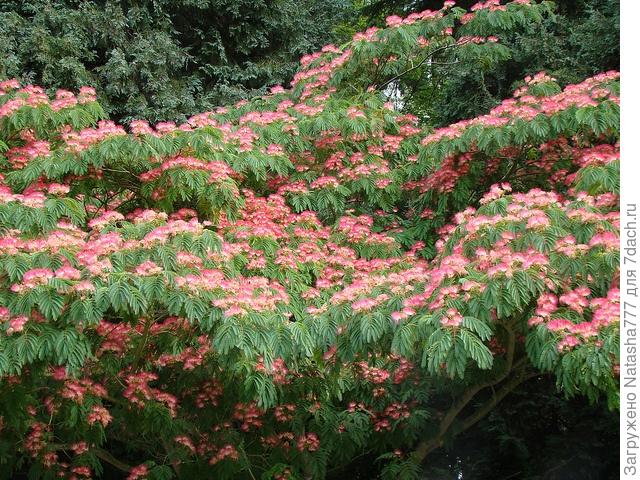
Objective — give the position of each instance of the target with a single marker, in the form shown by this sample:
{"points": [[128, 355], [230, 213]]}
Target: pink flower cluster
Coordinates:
{"points": [[284, 413], [373, 374], [382, 421], [79, 141], [219, 171], [99, 415], [527, 106], [138, 392], [138, 472], [358, 229], [228, 451], [249, 416], [308, 442], [278, 370]]}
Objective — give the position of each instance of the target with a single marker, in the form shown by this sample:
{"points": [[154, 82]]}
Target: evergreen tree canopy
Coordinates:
{"points": [[164, 59]]}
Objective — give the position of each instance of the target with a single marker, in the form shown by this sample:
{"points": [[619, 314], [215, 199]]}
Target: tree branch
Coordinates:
{"points": [[143, 342], [420, 63], [110, 459], [175, 463], [98, 452], [497, 397], [427, 446]]}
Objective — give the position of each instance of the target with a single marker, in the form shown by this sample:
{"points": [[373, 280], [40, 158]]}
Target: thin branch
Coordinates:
{"points": [[512, 475], [510, 170], [561, 464], [175, 463], [117, 170], [421, 62], [143, 342], [110, 459], [248, 465]]}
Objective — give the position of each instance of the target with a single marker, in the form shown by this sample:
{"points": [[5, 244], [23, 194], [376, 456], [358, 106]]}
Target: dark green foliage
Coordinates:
{"points": [[162, 60]]}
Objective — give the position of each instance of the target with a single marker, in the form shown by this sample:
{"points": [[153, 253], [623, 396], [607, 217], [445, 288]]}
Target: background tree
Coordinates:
{"points": [[162, 60]]}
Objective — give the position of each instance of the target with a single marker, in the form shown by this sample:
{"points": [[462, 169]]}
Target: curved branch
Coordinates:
{"points": [[497, 397], [427, 446], [110, 459], [98, 452], [420, 63]]}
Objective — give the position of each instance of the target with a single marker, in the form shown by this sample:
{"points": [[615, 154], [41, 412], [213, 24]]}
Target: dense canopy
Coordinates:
{"points": [[275, 288]]}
